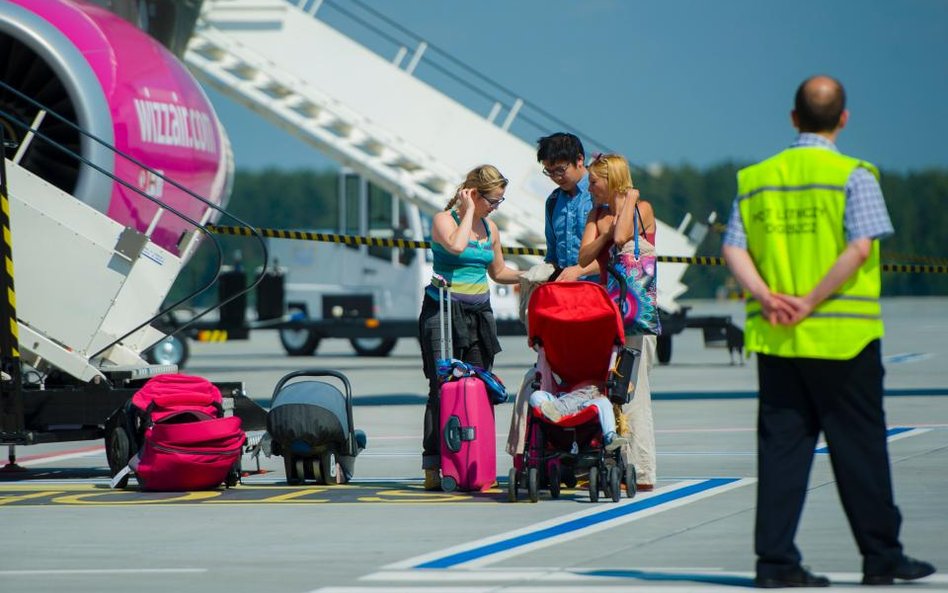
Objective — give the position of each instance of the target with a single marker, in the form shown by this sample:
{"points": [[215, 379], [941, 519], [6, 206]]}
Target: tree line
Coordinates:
{"points": [[307, 199]]}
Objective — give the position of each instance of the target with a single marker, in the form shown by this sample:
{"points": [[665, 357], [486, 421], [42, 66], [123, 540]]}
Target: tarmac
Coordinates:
{"points": [[65, 530]]}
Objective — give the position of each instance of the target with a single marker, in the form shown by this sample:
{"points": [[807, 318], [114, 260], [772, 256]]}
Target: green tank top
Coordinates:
{"points": [[467, 271]]}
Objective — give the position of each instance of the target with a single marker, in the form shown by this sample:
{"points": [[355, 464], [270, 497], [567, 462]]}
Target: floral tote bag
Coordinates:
{"points": [[636, 263]]}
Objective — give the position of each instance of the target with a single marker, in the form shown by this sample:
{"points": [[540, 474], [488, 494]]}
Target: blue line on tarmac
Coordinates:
{"points": [[683, 395], [888, 434], [575, 524]]}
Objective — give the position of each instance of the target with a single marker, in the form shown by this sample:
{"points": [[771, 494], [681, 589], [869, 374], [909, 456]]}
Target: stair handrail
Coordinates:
{"points": [[503, 96], [197, 225], [592, 145]]}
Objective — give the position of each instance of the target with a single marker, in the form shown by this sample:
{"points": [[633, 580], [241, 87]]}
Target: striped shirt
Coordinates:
{"points": [[467, 271], [866, 215]]}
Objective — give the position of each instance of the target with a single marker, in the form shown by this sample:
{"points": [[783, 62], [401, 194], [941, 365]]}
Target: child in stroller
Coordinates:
{"points": [[577, 331], [555, 407]]}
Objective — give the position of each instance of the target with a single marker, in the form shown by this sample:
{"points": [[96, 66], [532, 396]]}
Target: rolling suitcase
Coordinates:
{"points": [[468, 447]]}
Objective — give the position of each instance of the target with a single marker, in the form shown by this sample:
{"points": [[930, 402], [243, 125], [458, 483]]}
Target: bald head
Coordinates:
{"points": [[819, 104]]}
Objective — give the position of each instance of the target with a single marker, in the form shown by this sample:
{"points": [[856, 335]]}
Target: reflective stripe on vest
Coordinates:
{"points": [[793, 208]]}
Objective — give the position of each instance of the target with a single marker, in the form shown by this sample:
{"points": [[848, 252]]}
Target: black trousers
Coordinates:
{"points": [[429, 329], [799, 397]]}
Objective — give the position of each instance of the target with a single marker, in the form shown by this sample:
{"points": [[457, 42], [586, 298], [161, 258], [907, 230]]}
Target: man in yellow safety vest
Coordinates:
{"points": [[803, 241]]}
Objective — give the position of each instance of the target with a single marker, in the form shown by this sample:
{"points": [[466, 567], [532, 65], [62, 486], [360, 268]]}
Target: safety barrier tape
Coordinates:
{"points": [[700, 260]]}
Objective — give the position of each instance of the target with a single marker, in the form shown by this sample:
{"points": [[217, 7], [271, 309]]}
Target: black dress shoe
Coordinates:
{"points": [[908, 569], [795, 577]]}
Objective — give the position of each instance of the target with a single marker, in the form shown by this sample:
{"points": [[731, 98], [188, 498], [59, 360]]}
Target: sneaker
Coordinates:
{"points": [[432, 479], [614, 441], [550, 411]]}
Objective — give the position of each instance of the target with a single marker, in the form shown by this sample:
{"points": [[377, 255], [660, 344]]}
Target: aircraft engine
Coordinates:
{"points": [[123, 87]]}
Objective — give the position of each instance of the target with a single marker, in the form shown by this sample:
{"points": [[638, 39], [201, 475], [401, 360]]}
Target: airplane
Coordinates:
{"points": [[123, 87]]}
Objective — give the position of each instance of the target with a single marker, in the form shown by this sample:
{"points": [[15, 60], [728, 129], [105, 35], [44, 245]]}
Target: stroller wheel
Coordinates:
{"points": [[311, 469], [533, 484], [568, 476], [594, 484], [553, 473], [289, 468], [630, 480], [615, 483], [512, 478]]}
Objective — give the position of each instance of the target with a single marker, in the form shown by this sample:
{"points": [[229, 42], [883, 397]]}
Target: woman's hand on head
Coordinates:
{"points": [[629, 196], [466, 201]]}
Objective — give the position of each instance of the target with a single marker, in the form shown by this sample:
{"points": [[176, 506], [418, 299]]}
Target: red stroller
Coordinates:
{"points": [[577, 330]]}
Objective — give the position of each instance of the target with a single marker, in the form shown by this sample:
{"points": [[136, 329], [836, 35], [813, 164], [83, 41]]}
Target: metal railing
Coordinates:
{"points": [[33, 133], [436, 67]]}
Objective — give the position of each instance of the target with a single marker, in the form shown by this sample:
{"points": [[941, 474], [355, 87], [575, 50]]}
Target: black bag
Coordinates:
{"points": [[621, 383]]}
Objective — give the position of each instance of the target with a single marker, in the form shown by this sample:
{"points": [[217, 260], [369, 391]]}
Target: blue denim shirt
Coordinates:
{"points": [[564, 229]]}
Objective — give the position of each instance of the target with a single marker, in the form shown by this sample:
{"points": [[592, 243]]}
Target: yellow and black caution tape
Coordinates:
{"points": [[11, 343], [698, 260]]}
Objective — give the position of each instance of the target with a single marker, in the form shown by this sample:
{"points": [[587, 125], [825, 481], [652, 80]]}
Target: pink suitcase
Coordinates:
{"points": [[468, 441]]}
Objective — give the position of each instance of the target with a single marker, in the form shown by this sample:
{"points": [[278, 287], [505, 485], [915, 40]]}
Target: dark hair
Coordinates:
{"points": [[560, 146], [819, 105]]}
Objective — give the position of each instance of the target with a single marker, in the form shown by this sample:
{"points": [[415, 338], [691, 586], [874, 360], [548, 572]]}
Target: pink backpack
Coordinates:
{"points": [[184, 440]]}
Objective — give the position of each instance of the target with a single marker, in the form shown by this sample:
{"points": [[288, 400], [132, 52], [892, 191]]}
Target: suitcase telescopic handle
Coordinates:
{"points": [[444, 304]]}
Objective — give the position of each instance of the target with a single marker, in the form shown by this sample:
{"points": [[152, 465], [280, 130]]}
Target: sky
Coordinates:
{"points": [[677, 82]]}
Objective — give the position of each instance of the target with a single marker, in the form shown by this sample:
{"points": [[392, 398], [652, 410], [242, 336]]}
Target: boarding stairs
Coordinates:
{"points": [[285, 61]]}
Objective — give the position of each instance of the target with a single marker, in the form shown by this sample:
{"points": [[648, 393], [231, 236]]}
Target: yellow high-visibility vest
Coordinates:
{"points": [[793, 205]]}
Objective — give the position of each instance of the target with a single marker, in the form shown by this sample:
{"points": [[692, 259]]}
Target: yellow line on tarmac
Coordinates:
{"points": [[86, 498], [288, 497]]}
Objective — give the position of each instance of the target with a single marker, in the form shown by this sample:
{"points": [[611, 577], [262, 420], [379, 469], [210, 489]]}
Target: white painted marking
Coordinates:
{"points": [[81, 571], [63, 457], [593, 581], [822, 447], [506, 553], [909, 433], [587, 588]]}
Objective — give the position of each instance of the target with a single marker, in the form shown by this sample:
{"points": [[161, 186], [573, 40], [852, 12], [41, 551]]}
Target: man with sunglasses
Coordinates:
{"points": [[567, 207]]}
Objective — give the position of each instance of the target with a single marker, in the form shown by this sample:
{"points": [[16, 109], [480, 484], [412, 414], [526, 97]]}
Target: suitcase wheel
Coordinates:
{"points": [[448, 484]]}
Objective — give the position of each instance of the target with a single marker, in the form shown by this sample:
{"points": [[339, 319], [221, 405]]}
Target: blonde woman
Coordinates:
{"points": [[466, 245], [622, 226]]}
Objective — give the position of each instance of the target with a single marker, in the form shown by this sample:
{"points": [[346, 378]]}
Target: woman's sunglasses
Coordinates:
{"points": [[494, 202]]}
